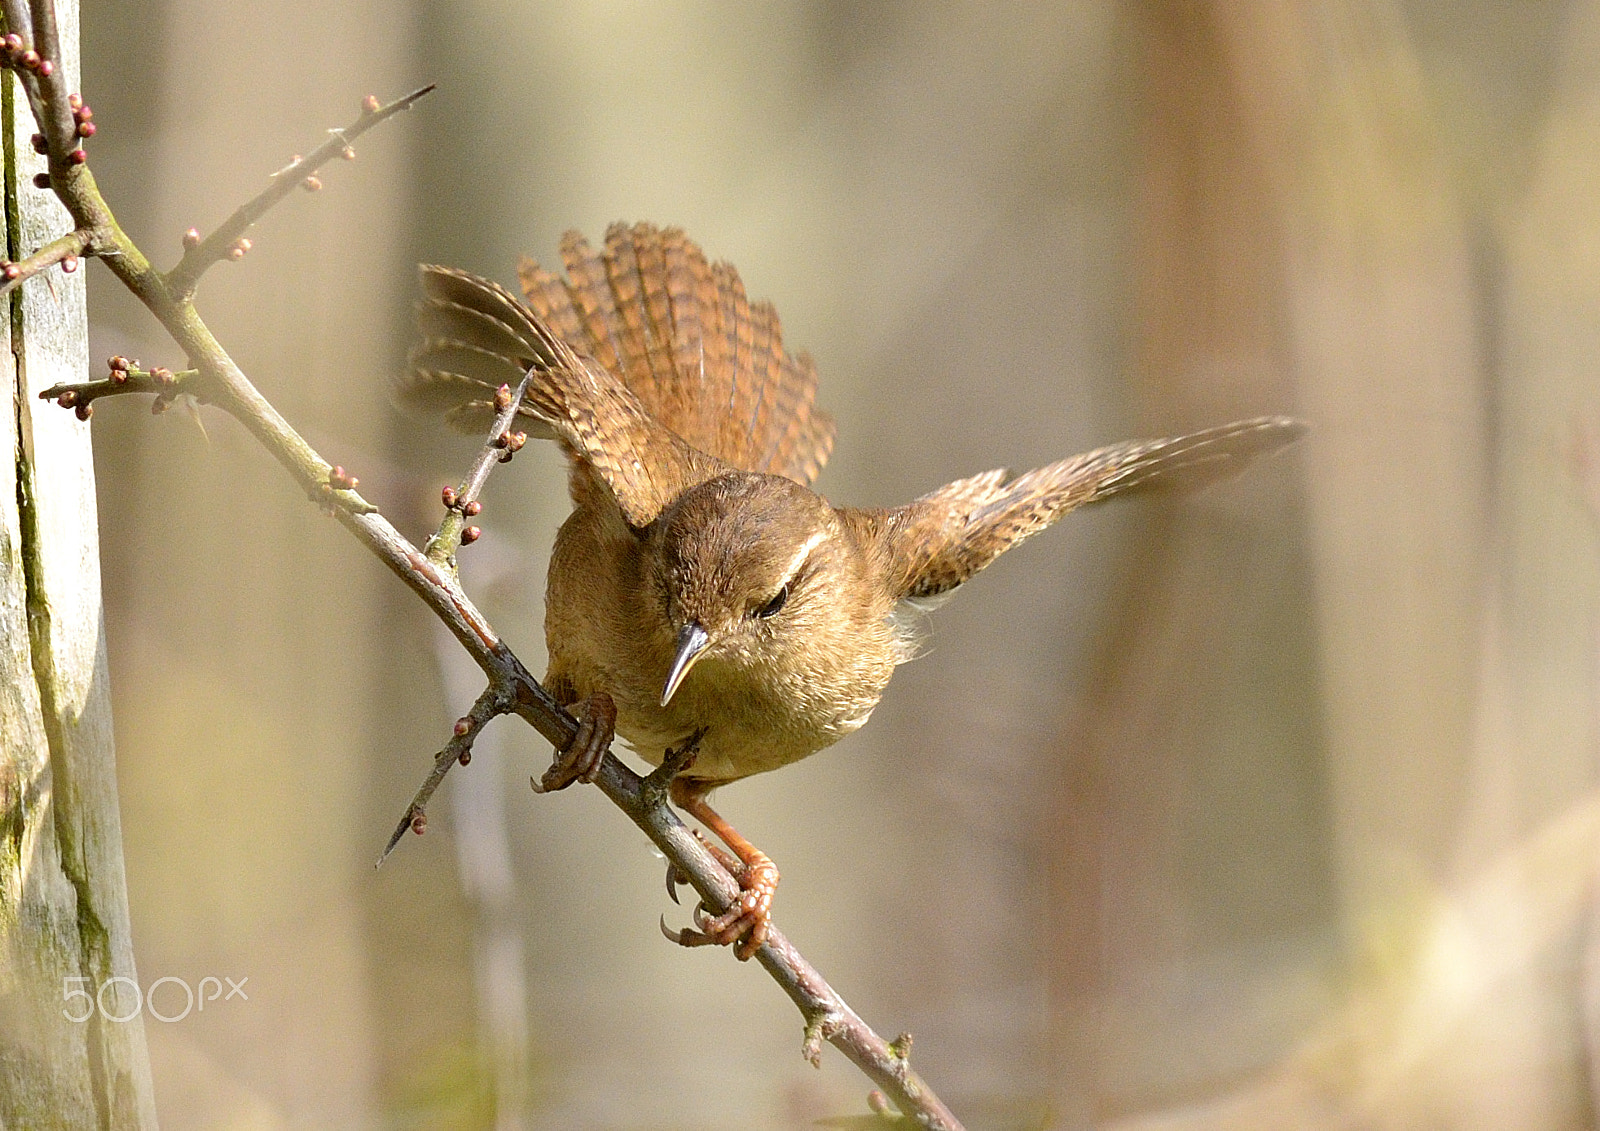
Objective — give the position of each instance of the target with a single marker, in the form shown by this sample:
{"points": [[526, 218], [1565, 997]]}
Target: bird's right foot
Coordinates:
{"points": [[580, 760]]}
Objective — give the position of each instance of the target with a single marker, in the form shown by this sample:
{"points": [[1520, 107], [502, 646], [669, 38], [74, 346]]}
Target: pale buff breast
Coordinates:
{"points": [[751, 725]]}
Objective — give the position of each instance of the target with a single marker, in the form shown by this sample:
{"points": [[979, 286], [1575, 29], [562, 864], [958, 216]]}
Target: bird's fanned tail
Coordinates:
{"points": [[681, 333], [478, 336]]}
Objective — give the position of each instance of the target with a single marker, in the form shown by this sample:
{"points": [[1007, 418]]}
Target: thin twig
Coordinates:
{"points": [[827, 1016], [60, 250], [44, 81], [461, 503], [126, 377], [490, 705], [181, 280], [57, 119]]}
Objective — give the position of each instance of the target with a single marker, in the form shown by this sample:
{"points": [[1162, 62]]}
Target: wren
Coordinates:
{"points": [[701, 596]]}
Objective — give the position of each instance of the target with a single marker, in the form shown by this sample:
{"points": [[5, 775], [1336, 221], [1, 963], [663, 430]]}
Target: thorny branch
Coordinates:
{"points": [[65, 251], [65, 121], [223, 243], [462, 503], [125, 377], [490, 705]]}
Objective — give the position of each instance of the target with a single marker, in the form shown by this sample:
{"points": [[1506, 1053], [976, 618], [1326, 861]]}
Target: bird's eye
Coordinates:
{"points": [[770, 609]]}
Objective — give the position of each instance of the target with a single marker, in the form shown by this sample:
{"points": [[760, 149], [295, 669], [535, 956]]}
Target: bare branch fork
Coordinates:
{"points": [[29, 50]]}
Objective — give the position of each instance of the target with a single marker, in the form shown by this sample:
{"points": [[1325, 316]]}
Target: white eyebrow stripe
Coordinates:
{"points": [[800, 556]]}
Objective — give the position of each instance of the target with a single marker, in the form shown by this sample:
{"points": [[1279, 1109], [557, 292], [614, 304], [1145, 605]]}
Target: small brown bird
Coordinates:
{"points": [[700, 592]]}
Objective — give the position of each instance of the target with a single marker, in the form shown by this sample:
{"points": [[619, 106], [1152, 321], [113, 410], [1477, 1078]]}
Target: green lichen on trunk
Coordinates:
{"points": [[63, 900]]}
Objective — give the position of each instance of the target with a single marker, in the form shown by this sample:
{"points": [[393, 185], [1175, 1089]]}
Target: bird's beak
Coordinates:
{"points": [[691, 642]]}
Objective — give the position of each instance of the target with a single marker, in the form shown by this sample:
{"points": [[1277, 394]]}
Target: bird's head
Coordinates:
{"points": [[743, 566]]}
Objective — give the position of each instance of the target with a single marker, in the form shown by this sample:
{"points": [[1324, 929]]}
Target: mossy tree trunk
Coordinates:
{"points": [[66, 954]]}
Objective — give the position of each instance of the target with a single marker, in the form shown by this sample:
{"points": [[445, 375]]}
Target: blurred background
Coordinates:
{"points": [[1271, 807]]}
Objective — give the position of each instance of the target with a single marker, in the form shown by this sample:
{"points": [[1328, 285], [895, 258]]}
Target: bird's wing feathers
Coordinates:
{"points": [[478, 336], [939, 541], [683, 336]]}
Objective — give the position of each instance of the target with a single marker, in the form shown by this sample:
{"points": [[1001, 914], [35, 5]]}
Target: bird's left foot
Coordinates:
{"points": [[748, 919], [580, 761]]}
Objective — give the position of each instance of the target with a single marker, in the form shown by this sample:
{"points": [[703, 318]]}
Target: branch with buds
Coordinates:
{"points": [[125, 377], [229, 242], [65, 122], [461, 503]]}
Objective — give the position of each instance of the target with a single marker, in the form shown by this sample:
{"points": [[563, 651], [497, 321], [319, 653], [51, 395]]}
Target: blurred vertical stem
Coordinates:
{"points": [[66, 952]]}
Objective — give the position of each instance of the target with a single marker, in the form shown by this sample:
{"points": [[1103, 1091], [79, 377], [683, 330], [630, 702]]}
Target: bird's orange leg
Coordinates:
{"points": [[580, 761], [748, 919]]}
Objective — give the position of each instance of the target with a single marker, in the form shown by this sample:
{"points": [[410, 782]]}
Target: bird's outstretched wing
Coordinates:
{"points": [[477, 336], [682, 335], [935, 543]]}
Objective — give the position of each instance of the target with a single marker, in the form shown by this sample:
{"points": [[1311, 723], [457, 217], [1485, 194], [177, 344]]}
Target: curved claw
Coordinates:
{"points": [[671, 935], [675, 879], [685, 936]]}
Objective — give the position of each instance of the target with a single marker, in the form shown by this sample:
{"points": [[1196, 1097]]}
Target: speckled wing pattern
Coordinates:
{"points": [[941, 539], [680, 332], [477, 336]]}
